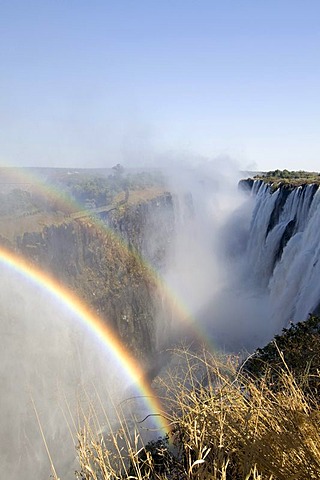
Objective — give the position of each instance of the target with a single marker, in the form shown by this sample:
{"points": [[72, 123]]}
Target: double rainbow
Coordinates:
{"points": [[62, 295]]}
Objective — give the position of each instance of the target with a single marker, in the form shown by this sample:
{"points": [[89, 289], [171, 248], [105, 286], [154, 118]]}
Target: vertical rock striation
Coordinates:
{"points": [[111, 265]]}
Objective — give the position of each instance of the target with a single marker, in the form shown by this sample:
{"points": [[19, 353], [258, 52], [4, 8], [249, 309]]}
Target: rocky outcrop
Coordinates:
{"points": [[246, 184]]}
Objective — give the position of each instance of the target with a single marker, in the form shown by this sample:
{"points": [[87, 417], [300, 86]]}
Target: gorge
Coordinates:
{"points": [[243, 262]]}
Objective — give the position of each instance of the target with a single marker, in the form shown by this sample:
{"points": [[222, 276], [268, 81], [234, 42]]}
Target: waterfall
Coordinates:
{"points": [[283, 249]]}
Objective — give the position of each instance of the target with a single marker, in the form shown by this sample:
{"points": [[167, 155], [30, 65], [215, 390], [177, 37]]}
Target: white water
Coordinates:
{"points": [[293, 283], [242, 277], [223, 270]]}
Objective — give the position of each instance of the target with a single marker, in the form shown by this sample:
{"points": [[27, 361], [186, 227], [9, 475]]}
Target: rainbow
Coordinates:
{"points": [[21, 176], [99, 328], [181, 313]]}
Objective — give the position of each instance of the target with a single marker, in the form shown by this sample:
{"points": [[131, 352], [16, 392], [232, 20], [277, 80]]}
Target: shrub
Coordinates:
{"points": [[225, 425]]}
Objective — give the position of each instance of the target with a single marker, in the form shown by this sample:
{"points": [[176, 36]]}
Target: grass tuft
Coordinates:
{"points": [[226, 425]]}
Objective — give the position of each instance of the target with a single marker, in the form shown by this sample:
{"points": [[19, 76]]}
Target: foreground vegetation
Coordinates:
{"points": [[257, 421]]}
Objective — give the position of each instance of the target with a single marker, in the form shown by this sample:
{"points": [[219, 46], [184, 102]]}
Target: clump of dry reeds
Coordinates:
{"points": [[225, 426]]}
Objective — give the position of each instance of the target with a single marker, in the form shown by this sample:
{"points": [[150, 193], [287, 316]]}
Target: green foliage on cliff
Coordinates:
{"points": [[294, 178], [299, 348], [96, 190], [17, 202]]}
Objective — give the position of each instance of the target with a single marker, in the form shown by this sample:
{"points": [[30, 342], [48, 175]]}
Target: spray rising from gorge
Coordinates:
{"points": [[229, 260]]}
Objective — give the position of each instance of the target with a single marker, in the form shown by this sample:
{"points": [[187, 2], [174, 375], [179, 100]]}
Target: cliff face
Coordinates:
{"points": [[146, 227], [99, 261]]}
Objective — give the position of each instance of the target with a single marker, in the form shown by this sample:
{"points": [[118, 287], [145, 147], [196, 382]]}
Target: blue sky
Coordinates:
{"points": [[96, 82]]}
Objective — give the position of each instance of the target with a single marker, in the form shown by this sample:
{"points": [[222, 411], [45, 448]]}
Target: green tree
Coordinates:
{"points": [[297, 346]]}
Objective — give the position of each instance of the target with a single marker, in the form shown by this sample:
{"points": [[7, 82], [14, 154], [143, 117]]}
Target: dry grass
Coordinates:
{"points": [[225, 426]]}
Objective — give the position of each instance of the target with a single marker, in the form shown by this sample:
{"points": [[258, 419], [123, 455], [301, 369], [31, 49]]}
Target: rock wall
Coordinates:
{"points": [[146, 227], [110, 263]]}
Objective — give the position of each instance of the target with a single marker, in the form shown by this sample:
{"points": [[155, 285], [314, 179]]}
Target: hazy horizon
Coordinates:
{"points": [[95, 84]]}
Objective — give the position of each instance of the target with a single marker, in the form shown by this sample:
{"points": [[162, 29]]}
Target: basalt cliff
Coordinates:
{"points": [[110, 260]]}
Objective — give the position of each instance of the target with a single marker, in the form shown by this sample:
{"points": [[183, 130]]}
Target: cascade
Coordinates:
{"points": [[283, 249]]}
